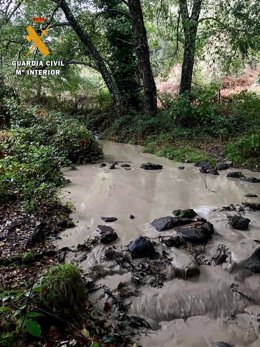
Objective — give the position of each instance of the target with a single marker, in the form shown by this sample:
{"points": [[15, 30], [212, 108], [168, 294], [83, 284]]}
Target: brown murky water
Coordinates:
{"points": [[193, 312]]}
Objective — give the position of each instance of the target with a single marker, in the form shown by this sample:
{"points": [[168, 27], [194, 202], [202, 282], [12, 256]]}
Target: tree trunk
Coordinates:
{"points": [[190, 27], [95, 55], [143, 55]]}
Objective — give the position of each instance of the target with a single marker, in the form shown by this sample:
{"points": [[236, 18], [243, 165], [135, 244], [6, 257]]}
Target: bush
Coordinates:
{"points": [[31, 158], [63, 289], [245, 150]]}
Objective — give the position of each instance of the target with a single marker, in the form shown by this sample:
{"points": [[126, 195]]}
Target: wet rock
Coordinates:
{"points": [[174, 241], [203, 163], [235, 174], [151, 166], [107, 234], [251, 195], [253, 205], [142, 247], [113, 165], [111, 254], [165, 223], [183, 265], [198, 234], [250, 179], [102, 165], [239, 222], [204, 169], [223, 344], [109, 219], [222, 166], [188, 213], [252, 263], [213, 172], [126, 165], [181, 167], [132, 216]]}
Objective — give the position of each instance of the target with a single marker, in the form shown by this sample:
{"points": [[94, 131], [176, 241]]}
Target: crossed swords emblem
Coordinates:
{"points": [[37, 40]]}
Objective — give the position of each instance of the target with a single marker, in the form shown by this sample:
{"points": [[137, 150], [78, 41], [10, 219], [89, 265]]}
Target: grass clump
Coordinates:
{"points": [[63, 289], [245, 151]]}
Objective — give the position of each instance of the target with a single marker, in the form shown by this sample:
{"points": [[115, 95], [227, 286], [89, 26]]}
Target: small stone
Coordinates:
{"points": [[202, 163], [132, 216], [107, 234], [126, 165], [222, 166], [151, 166], [223, 344], [229, 162], [213, 172], [109, 219], [204, 169], [142, 247], [235, 174], [188, 213], [250, 179], [251, 195], [253, 205], [102, 165], [113, 165], [238, 222], [165, 223], [181, 167]]}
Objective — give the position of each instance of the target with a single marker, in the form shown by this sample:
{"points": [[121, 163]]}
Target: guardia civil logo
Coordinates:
{"points": [[36, 39]]}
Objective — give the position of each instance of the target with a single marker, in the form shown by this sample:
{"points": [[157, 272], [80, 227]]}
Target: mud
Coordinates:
{"points": [[195, 311]]}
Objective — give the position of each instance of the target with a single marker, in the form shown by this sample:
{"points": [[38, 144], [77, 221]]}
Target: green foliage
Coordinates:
{"points": [[30, 170], [18, 317], [63, 289], [246, 150], [179, 153]]}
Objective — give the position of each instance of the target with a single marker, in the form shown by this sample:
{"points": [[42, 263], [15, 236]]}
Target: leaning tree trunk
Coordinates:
{"points": [[143, 55], [95, 55], [190, 27]]}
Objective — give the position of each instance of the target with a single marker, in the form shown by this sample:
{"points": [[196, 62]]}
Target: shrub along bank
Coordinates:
{"points": [[192, 128], [34, 146]]}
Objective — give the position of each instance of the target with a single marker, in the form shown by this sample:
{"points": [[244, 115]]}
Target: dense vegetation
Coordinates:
{"points": [[116, 55]]}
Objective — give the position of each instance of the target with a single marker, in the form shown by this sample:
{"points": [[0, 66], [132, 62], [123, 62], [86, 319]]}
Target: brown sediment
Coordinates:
{"points": [[199, 311]]}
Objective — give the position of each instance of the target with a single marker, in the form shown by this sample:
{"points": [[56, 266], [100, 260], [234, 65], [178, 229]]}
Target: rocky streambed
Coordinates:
{"points": [[173, 250]]}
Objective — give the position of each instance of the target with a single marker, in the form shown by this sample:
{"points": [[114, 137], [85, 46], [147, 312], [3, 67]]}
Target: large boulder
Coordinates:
{"points": [[142, 247], [165, 223], [151, 166]]}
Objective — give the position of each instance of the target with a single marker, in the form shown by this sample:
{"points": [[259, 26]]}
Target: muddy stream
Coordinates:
{"points": [[199, 311]]}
